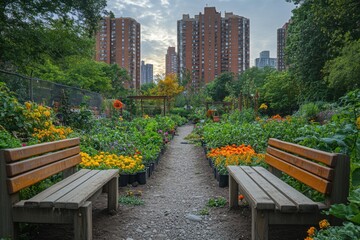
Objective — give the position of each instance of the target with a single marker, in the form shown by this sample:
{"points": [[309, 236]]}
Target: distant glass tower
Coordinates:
{"points": [[265, 60], [147, 75]]}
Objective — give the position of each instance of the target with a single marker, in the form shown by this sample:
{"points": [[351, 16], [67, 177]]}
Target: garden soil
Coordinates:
{"points": [[174, 198]]}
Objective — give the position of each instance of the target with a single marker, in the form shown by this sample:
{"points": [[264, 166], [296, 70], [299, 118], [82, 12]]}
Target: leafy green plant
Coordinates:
{"points": [[131, 200], [204, 211], [217, 202], [7, 140]]}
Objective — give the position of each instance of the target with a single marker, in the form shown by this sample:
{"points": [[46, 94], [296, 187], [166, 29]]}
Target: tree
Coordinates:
{"points": [[249, 83], [24, 28], [342, 74], [318, 31], [280, 92], [169, 86], [218, 89]]}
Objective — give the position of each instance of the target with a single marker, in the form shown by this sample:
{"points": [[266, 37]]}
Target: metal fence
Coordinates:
{"points": [[48, 93]]}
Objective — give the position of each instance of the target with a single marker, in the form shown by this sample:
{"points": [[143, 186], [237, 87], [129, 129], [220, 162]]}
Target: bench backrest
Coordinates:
{"points": [[325, 172], [26, 166]]}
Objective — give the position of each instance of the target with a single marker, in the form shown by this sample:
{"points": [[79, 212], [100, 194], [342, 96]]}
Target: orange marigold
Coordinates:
{"points": [[324, 224], [311, 232], [117, 104]]}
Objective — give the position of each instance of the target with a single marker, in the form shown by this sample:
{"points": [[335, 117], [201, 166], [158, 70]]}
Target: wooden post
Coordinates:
{"points": [[83, 222], [113, 194], [233, 192], [259, 224], [6, 223]]}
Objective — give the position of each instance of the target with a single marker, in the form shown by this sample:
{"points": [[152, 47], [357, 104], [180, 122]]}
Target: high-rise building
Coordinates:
{"points": [[281, 43], [265, 60], [147, 75], [171, 61], [118, 41], [209, 44]]}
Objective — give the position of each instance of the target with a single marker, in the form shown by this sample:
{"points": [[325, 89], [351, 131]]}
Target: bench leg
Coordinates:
{"points": [[233, 193], [113, 194], [83, 222], [259, 224]]}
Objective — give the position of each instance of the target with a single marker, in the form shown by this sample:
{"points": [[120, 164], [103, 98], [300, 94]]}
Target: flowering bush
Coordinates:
{"points": [[234, 155], [51, 133], [105, 160]]}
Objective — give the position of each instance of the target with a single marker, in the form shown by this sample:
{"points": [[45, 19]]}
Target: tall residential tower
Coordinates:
{"points": [[209, 44], [281, 43], [171, 61], [118, 41]]}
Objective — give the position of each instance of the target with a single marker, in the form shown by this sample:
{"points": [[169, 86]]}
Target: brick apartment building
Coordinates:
{"points": [[118, 41], [281, 43], [171, 61], [209, 44]]}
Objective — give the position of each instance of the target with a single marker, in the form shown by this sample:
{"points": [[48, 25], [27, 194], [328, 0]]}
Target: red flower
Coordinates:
{"points": [[117, 104], [241, 197]]}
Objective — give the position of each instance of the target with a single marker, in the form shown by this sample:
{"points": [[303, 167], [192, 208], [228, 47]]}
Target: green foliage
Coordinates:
{"points": [[343, 72], [28, 30], [7, 140], [131, 200], [280, 93], [318, 32], [348, 231], [308, 111], [204, 211], [217, 202], [11, 111], [217, 89]]}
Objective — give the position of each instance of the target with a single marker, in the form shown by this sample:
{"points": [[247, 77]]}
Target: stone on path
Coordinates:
{"points": [[193, 217]]}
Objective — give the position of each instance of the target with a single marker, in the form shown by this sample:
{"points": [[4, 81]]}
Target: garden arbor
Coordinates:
{"points": [[165, 100]]}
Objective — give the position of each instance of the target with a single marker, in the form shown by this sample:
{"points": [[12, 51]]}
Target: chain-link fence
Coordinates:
{"points": [[48, 93]]}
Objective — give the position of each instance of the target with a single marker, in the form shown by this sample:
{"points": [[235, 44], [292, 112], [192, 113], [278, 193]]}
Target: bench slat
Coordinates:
{"points": [[17, 183], [282, 202], [321, 171], [304, 204], [309, 179], [79, 195], [327, 158], [15, 154], [36, 162], [65, 188], [35, 201], [253, 193]]}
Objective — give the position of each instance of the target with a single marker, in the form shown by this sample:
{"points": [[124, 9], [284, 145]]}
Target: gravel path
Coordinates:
{"points": [[173, 197], [182, 185]]}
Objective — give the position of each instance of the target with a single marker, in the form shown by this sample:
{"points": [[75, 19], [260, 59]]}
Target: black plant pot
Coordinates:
{"points": [[215, 172], [223, 180], [147, 169], [152, 167], [141, 177], [123, 180], [132, 178]]}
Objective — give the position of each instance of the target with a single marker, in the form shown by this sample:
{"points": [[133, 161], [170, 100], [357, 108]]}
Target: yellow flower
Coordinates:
{"points": [[263, 106], [28, 105], [47, 113], [324, 224], [358, 122]]}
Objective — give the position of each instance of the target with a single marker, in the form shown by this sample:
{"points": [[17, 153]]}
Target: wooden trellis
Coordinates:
{"points": [[165, 99]]}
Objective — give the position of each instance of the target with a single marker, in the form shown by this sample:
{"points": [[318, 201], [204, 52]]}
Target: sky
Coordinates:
{"points": [[158, 20]]}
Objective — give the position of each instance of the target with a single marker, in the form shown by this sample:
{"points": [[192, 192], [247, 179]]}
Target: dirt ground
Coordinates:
{"points": [[174, 195]]}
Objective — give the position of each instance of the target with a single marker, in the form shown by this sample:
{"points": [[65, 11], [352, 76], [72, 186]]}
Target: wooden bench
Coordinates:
{"points": [[66, 202], [273, 202]]}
